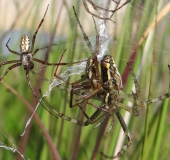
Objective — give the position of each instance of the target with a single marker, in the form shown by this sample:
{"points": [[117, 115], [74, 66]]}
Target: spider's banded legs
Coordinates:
{"points": [[95, 116], [30, 85], [42, 48], [84, 34], [76, 87], [56, 114], [98, 8], [9, 62], [89, 43], [136, 94], [43, 78], [127, 133], [10, 49], [95, 15], [133, 98], [125, 107], [90, 95], [92, 119], [160, 98], [112, 124], [9, 68], [56, 69], [73, 92], [54, 64], [35, 34]]}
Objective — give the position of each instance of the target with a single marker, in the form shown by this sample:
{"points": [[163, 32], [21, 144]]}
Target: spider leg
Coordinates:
{"points": [[135, 106], [127, 133], [89, 103], [98, 16], [89, 44], [86, 97], [8, 62], [121, 95], [120, 6], [77, 104], [54, 64], [76, 83], [160, 98], [82, 109], [49, 81], [135, 95], [76, 87], [125, 107], [88, 41], [96, 51], [30, 85], [99, 123], [90, 95], [43, 78], [14, 52], [116, 96], [9, 68], [84, 34], [92, 119], [60, 78], [82, 86], [133, 98], [85, 86], [98, 7], [56, 69], [112, 124], [35, 34], [95, 7], [56, 114], [100, 108], [93, 65], [42, 48]]}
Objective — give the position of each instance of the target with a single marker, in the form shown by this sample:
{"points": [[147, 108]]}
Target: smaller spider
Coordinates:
{"points": [[27, 55]]}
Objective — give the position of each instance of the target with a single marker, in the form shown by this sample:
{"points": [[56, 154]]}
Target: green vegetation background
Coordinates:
{"points": [[47, 136]]}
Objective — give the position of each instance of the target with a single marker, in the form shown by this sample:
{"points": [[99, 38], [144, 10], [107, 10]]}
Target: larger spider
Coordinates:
{"points": [[102, 81]]}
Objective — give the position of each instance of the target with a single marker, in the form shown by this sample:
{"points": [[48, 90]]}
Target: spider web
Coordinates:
{"points": [[12, 148]]}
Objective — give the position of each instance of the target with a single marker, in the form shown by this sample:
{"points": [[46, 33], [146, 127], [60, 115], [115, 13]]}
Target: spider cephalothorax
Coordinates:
{"points": [[27, 63]]}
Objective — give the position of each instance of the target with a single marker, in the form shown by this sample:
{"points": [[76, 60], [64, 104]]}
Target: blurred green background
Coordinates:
{"points": [[47, 137]]}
